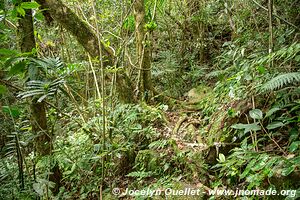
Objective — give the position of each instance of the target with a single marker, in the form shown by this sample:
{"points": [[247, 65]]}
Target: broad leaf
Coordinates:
{"points": [[271, 111], [7, 52], [262, 161], [247, 127], [256, 114], [274, 125], [38, 188], [21, 11], [29, 5], [261, 69], [248, 168], [221, 158], [294, 146]]}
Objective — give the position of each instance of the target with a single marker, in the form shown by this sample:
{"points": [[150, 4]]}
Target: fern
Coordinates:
{"points": [[215, 73], [41, 89], [280, 81]]}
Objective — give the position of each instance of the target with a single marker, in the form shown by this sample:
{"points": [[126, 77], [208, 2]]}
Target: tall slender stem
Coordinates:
{"points": [[103, 93], [270, 13]]}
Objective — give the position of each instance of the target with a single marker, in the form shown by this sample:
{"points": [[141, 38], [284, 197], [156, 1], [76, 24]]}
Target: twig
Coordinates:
{"points": [[268, 134]]}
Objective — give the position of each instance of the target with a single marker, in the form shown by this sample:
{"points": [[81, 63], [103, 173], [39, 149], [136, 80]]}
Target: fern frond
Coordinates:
{"points": [[47, 63], [280, 81], [41, 89], [215, 73]]}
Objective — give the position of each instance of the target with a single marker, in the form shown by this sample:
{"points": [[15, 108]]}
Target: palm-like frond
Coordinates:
{"points": [[41, 89], [281, 80], [47, 63]]}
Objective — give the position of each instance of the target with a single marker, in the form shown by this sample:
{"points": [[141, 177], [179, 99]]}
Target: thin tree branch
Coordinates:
{"points": [[284, 20]]}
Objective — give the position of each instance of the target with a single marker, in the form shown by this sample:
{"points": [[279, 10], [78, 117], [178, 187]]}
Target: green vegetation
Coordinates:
{"points": [[109, 99]]}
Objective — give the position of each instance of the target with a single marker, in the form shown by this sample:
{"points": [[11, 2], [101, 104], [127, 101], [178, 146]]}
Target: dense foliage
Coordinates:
{"points": [[97, 95]]}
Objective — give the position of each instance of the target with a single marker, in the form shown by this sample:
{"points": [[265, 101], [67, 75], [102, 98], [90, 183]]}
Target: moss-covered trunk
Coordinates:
{"points": [[196, 26], [144, 87], [38, 113], [43, 143], [88, 39]]}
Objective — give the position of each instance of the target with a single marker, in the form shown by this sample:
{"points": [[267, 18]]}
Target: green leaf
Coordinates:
{"points": [[18, 68], [221, 158], [3, 89], [262, 161], [21, 11], [247, 127], [274, 125], [38, 188], [261, 69], [293, 133], [248, 168], [294, 146], [271, 162], [239, 126], [12, 111], [2, 5], [7, 52], [288, 170], [271, 111], [39, 16], [166, 167], [256, 114], [29, 5], [295, 160]]}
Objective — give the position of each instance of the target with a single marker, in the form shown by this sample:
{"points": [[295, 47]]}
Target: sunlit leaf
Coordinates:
{"points": [[221, 158], [261, 69], [29, 5], [21, 11], [38, 188]]}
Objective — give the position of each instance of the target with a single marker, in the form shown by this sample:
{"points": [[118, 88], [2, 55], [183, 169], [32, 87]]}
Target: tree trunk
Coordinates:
{"points": [[88, 39], [38, 112], [43, 143], [144, 88], [196, 27]]}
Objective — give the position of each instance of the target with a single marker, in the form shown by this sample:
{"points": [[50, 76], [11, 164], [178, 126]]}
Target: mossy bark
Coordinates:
{"points": [[144, 88], [197, 27], [88, 39], [26, 42], [78, 28], [43, 142]]}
